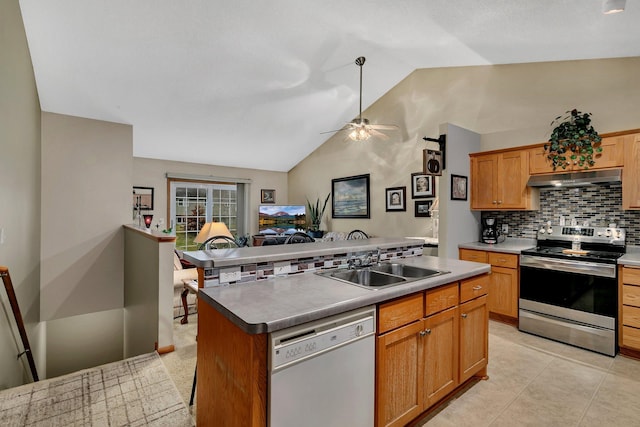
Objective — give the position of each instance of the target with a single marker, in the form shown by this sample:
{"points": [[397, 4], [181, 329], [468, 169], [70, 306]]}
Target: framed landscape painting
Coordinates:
{"points": [[350, 197]]}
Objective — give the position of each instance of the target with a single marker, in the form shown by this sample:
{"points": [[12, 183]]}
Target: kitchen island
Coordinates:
{"points": [[234, 323]]}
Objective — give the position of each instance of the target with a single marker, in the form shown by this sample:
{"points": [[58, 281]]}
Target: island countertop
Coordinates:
{"points": [[255, 254], [281, 302]]}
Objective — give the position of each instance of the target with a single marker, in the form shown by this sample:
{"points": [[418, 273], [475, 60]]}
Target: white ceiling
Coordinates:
{"points": [[252, 83]]}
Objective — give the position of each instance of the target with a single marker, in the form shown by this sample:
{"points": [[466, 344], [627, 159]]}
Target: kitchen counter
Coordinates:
{"points": [[282, 302], [631, 258], [511, 246]]}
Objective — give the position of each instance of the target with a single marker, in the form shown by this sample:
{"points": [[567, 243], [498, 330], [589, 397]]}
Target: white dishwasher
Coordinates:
{"points": [[322, 373]]}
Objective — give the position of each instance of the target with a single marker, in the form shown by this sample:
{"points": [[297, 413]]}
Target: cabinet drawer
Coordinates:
{"points": [[440, 299], [631, 316], [472, 255], [631, 276], [474, 287], [631, 337], [631, 295], [503, 260], [400, 312]]}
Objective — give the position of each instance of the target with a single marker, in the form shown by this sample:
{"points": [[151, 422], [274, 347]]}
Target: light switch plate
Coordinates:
{"points": [[505, 228]]}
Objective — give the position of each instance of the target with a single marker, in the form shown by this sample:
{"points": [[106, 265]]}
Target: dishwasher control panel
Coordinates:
{"points": [[312, 339]]}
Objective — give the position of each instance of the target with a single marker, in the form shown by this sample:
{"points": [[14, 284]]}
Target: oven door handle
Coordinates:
{"points": [[579, 267]]}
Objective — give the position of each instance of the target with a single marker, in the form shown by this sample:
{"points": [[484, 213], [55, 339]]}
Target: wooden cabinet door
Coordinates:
{"points": [[503, 291], [440, 355], [631, 172], [484, 182], [513, 174], [474, 337], [612, 156], [399, 375]]}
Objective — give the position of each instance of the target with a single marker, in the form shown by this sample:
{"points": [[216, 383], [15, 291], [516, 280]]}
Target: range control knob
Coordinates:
{"points": [[549, 230], [542, 230], [599, 233], [607, 233]]}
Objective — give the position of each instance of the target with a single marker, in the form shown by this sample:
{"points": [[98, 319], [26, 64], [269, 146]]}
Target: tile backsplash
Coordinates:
{"points": [[599, 205]]}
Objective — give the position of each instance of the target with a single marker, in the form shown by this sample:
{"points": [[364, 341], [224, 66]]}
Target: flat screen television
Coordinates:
{"points": [[281, 219]]}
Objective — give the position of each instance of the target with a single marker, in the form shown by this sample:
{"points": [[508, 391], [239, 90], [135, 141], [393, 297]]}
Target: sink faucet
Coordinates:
{"points": [[354, 262]]}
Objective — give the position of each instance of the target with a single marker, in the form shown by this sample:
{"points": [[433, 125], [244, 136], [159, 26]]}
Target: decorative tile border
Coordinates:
{"points": [[262, 271], [599, 205]]}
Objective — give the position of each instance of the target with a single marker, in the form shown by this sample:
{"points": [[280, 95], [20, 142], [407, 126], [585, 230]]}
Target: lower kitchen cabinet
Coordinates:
{"points": [[422, 359], [504, 281], [629, 337], [474, 337]]}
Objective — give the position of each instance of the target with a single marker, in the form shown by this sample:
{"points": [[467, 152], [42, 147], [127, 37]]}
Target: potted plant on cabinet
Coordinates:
{"points": [[573, 141], [315, 216]]}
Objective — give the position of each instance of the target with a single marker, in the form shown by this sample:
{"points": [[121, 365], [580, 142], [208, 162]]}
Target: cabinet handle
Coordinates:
{"points": [[495, 202], [425, 332], [464, 315], [499, 202], [477, 288]]}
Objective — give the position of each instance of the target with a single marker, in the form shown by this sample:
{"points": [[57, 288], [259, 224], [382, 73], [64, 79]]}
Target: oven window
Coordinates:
{"points": [[591, 294]]}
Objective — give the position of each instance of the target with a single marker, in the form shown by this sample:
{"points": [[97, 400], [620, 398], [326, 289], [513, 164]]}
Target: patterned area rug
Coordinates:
{"points": [[133, 392]]}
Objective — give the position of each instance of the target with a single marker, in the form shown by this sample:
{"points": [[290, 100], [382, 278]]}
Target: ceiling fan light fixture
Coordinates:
{"points": [[613, 6], [359, 134]]}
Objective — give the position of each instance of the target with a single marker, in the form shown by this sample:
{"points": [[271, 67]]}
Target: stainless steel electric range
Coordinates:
{"points": [[569, 286]]}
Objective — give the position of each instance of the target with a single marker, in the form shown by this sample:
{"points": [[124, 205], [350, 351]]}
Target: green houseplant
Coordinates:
{"points": [[573, 141], [315, 216]]}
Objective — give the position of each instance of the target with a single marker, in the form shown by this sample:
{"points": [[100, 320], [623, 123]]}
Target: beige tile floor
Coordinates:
{"points": [[532, 382]]}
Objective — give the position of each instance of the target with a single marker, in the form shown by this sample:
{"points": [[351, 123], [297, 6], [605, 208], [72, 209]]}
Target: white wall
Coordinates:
{"points": [[19, 196]]}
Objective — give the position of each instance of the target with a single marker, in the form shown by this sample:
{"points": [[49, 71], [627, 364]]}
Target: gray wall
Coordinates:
{"points": [[508, 105], [19, 194], [86, 198], [459, 224], [152, 173]]}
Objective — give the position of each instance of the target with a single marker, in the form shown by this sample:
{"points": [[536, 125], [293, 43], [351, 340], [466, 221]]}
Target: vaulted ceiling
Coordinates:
{"points": [[253, 84]]}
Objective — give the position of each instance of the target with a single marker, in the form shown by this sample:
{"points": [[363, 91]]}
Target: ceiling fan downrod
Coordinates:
{"points": [[360, 62]]}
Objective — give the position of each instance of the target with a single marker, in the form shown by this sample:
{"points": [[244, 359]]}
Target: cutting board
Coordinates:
{"points": [[575, 251]]}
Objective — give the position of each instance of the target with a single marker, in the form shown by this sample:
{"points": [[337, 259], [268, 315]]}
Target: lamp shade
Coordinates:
{"points": [[212, 229]]}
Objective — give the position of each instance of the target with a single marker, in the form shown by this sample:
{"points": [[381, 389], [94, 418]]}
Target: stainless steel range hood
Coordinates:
{"points": [[577, 179]]}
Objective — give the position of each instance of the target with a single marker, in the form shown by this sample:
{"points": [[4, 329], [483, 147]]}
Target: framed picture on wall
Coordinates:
{"points": [[422, 186], [267, 196], [350, 197], [458, 187], [396, 199], [143, 196], [422, 208]]}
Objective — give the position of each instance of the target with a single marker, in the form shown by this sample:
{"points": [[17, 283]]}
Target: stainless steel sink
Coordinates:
{"points": [[366, 277], [405, 270], [381, 275]]}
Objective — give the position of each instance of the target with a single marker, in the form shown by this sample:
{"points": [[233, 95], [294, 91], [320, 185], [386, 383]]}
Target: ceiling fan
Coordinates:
{"points": [[360, 128]]}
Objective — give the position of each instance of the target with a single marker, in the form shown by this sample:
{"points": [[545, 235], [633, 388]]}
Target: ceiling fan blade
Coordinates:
{"points": [[378, 134], [332, 131]]}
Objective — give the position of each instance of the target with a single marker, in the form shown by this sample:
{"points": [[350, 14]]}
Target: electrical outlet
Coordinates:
{"points": [[505, 228], [230, 275], [281, 268]]}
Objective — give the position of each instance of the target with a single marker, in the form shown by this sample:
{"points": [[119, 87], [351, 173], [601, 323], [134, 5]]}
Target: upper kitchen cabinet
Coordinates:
{"points": [[499, 181], [612, 156], [631, 172]]}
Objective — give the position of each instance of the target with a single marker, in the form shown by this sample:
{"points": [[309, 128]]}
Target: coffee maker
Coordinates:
{"points": [[490, 231]]}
